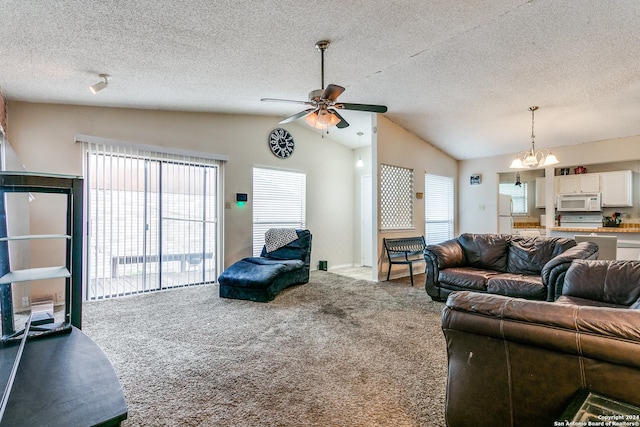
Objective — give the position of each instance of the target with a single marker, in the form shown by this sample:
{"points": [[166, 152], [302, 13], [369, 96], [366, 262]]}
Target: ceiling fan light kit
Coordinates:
{"points": [[321, 119], [532, 158], [323, 102]]}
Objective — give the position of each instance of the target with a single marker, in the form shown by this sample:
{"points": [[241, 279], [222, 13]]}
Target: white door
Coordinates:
{"points": [[366, 221]]}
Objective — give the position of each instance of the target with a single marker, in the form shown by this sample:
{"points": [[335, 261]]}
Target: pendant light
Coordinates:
{"points": [[359, 163], [532, 158]]}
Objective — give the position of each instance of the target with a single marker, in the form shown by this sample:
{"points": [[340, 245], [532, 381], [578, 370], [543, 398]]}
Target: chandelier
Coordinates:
{"points": [[532, 158]]}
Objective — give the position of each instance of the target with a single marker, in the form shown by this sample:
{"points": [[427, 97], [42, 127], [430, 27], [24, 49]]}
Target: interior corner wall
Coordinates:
{"points": [[398, 147], [478, 204], [42, 136]]}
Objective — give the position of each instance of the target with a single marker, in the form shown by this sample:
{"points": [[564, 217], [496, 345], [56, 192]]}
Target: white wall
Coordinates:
{"points": [[398, 147], [42, 136], [366, 169], [478, 204]]}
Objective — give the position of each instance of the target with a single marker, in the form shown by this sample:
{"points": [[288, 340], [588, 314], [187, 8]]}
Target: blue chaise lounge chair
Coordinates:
{"points": [[262, 278]]}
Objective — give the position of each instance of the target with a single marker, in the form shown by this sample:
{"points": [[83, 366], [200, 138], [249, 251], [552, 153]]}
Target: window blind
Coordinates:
{"points": [[438, 208], [279, 201]]}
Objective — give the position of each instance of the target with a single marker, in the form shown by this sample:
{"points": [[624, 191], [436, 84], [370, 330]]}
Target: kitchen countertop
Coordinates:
{"points": [[599, 229], [527, 224]]}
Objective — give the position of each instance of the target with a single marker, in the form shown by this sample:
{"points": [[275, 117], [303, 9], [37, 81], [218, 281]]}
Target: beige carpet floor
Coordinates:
{"points": [[333, 352]]}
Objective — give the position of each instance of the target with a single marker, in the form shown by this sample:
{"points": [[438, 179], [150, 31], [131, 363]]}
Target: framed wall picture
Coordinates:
{"points": [[475, 179]]}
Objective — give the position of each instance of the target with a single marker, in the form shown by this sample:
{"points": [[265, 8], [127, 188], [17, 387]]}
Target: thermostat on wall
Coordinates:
{"points": [[241, 197]]}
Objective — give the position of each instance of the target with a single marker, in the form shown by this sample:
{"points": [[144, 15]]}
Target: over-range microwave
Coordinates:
{"points": [[581, 202]]}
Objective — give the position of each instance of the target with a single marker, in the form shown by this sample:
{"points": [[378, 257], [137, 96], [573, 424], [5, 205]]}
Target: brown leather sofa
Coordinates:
{"points": [[602, 283], [526, 267], [516, 362]]}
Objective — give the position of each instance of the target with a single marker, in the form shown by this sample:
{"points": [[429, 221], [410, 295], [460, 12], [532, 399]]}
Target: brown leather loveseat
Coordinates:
{"points": [[516, 362], [526, 267]]}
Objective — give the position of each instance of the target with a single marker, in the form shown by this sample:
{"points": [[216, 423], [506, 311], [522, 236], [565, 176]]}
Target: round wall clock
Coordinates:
{"points": [[281, 143]]}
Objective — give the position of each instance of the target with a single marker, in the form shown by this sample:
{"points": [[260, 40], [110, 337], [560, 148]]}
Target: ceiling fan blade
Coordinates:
{"points": [[286, 100], [297, 116], [332, 92], [342, 123], [362, 107]]}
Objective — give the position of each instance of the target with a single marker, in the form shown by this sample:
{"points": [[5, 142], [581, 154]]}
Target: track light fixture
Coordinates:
{"points": [[97, 87]]}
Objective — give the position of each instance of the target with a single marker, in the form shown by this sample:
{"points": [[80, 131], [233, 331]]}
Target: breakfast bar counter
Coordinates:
{"points": [[597, 230], [628, 243]]}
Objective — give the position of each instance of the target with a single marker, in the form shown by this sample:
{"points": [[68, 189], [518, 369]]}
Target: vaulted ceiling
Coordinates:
{"points": [[459, 74]]}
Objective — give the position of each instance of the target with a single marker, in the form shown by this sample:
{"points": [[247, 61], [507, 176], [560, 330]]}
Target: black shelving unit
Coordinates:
{"points": [[71, 271]]}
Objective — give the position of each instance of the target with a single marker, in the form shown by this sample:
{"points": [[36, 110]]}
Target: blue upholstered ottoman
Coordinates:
{"points": [[262, 278]]}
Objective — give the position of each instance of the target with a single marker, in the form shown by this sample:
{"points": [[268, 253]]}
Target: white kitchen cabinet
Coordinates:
{"points": [[616, 188], [579, 183]]}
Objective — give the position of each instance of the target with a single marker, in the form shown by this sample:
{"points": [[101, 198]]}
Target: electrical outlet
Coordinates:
{"points": [[59, 296], [25, 301]]}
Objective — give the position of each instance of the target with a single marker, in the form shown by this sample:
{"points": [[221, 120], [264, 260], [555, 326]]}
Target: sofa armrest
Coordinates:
{"points": [[515, 319], [554, 271], [446, 254], [438, 257]]}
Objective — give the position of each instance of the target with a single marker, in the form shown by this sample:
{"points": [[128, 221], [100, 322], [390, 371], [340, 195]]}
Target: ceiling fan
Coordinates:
{"points": [[323, 103]]}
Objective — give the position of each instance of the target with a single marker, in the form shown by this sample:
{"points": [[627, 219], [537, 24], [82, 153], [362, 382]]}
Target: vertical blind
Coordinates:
{"points": [[438, 208], [152, 220], [279, 201]]}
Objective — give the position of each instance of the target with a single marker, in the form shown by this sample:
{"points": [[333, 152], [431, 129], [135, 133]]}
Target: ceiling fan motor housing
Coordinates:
{"points": [[315, 95]]}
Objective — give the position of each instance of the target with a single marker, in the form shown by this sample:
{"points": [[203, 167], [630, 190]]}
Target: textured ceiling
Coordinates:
{"points": [[459, 74]]}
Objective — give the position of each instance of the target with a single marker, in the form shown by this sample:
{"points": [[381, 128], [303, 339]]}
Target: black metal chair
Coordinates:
{"points": [[405, 250]]}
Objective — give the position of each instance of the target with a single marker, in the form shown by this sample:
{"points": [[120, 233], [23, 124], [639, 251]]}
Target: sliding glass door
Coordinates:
{"points": [[188, 224], [152, 223]]}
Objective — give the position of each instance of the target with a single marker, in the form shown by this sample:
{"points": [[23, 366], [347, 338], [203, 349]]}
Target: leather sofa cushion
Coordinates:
{"points": [[528, 255], [614, 282], [466, 278], [517, 285], [486, 251]]}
